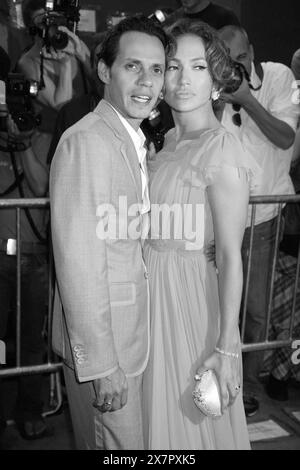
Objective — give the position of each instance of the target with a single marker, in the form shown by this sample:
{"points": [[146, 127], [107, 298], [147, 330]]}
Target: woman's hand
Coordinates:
{"points": [[227, 370]]}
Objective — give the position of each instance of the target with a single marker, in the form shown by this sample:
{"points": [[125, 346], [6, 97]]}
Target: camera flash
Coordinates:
{"points": [[34, 88], [49, 4]]}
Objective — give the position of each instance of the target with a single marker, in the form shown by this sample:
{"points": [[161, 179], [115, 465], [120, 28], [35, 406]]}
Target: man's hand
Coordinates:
{"points": [[242, 96], [75, 48], [111, 391], [16, 135]]}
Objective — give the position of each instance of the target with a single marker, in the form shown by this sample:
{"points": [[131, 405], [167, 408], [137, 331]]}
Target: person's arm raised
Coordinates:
{"points": [[276, 130]]}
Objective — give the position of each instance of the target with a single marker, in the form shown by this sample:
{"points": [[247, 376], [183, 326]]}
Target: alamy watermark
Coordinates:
{"points": [[296, 353], [163, 222]]}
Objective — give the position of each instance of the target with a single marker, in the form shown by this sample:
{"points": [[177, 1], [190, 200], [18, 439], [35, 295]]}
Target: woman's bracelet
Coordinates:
{"points": [[226, 353]]}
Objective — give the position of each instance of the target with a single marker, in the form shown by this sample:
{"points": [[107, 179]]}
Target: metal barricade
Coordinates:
{"points": [[54, 367], [267, 344], [51, 366]]}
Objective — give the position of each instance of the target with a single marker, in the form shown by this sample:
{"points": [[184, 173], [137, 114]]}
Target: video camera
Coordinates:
{"points": [[59, 13], [17, 93]]}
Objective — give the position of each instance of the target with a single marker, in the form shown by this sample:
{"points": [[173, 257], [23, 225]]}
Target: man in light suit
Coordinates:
{"points": [[98, 189]]}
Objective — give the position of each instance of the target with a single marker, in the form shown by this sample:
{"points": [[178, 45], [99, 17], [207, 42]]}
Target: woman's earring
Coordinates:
{"points": [[161, 96], [215, 94]]}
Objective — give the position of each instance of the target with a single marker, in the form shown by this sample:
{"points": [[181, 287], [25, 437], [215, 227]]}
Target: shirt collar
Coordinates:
{"points": [[254, 78], [138, 138]]}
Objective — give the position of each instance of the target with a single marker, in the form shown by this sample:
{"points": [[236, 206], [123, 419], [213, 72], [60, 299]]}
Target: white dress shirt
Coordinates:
{"points": [[138, 139], [275, 95]]}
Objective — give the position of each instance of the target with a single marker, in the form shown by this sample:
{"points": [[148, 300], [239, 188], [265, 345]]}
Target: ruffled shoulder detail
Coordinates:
{"points": [[225, 154]]}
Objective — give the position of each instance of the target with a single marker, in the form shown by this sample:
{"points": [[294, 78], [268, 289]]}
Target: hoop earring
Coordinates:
{"points": [[161, 96]]}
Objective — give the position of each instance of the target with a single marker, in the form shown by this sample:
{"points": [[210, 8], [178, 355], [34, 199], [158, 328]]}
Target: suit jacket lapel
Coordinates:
{"points": [[126, 145]]}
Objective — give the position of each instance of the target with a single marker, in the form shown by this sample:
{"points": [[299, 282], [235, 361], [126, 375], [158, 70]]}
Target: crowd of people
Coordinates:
{"points": [[150, 247]]}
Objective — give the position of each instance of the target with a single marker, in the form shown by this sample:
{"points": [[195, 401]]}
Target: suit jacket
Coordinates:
{"points": [[101, 314]]}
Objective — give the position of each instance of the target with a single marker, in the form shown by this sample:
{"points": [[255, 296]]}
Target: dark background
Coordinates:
{"points": [[273, 25]]}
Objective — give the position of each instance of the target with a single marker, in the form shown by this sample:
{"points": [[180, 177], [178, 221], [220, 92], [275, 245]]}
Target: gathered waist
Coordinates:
{"points": [[176, 245]]}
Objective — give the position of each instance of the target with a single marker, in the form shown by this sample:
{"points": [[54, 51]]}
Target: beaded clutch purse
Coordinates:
{"points": [[206, 394]]}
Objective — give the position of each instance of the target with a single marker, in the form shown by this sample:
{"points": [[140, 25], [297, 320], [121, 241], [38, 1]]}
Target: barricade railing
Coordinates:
{"points": [[51, 366], [267, 344], [54, 366]]}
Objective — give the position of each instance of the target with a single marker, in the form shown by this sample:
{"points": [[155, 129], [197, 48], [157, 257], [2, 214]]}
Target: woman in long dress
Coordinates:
{"points": [[199, 190]]}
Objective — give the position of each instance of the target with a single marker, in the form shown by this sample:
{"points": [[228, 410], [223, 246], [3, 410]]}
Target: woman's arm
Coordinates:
{"points": [[228, 198]]}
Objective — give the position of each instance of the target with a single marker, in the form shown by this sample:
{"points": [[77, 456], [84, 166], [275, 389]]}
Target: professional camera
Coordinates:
{"points": [[239, 73], [19, 93], [59, 13]]}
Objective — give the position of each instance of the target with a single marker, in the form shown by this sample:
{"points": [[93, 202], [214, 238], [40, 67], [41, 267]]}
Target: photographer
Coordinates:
{"points": [[211, 13], [262, 114], [62, 73], [23, 173], [11, 38]]}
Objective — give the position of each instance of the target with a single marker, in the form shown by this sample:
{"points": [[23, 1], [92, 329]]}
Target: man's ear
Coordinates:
{"points": [[103, 72]]}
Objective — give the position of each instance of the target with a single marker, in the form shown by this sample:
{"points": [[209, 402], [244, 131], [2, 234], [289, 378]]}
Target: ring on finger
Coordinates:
{"points": [[106, 406]]}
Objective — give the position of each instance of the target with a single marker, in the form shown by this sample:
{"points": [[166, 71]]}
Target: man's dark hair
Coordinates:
{"points": [[139, 23], [29, 7]]}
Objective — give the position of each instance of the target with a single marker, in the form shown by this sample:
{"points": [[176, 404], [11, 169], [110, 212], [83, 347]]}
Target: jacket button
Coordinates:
{"points": [[146, 275]]}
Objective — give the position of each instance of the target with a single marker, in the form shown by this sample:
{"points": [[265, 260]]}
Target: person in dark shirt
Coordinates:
{"points": [[78, 107], [12, 39], [204, 10]]}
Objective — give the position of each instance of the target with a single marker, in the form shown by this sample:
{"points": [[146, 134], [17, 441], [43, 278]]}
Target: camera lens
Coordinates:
{"points": [[56, 38], [25, 121], [17, 88], [235, 80]]}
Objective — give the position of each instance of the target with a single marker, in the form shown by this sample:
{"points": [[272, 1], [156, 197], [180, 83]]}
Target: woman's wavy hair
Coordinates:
{"points": [[220, 64]]}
